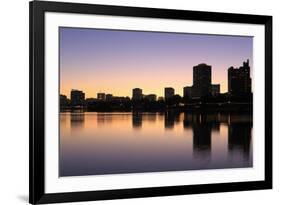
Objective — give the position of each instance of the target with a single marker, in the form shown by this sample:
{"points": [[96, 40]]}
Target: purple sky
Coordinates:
{"points": [[115, 61]]}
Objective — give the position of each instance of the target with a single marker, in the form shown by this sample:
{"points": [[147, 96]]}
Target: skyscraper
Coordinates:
{"points": [[169, 92], [202, 76], [137, 94], [77, 97], [239, 80], [201, 80]]}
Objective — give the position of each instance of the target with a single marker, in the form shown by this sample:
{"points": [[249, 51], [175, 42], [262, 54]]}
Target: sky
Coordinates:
{"points": [[116, 61]]}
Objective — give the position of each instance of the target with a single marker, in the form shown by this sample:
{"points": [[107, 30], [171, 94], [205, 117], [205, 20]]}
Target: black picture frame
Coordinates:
{"points": [[37, 194]]}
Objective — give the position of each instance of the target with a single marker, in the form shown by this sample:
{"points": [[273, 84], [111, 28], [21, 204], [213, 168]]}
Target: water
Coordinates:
{"points": [[114, 143]]}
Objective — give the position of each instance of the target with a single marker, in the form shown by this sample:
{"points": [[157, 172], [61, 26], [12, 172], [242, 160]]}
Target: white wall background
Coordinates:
{"points": [[14, 42]]}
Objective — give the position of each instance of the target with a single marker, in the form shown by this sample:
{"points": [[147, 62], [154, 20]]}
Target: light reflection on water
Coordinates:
{"points": [[110, 143]]}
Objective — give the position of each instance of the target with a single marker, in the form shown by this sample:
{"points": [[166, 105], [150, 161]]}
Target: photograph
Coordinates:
{"points": [[136, 101], [132, 102]]}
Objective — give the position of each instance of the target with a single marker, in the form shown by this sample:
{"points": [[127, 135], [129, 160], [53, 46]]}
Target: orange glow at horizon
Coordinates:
{"points": [[152, 84], [115, 62]]}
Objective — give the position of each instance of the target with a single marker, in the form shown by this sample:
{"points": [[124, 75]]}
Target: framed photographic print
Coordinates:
{"points": [[140, 102]]}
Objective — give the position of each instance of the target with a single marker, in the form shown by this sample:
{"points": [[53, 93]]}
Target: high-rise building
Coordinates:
{"points": [[239, 80], [169, 92], [201, 80], [101, 96], [202, 76], [137, 94], [187, 92], [77, 97], [215, 89]]}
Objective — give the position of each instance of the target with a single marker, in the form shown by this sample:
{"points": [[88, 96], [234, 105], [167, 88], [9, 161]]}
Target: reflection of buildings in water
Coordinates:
{"points": [[211, 119], [214, 120], [239, 138], [150, 117], [103, 118], [216, 127], [161, 116], [77, 120], [202, 126], [202, 140], [235, 117], [177, 118], [139, 117], [137, 120], [170, 119], [63, 120], [224, 118]]}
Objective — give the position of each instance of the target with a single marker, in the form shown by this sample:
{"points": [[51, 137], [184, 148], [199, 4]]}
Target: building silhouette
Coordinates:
{"points": [[150, 97], [63, 100], [202, 83], [202, 94], [101, 96], [137, 94], [90, 101], [215, 89], [201, 80], [108, 97], [239, 80], [187, 92], [169, 92], [77, 97], [120, 99]]}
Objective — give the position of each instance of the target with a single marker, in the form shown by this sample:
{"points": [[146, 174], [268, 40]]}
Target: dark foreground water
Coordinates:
{"points": [[110, 143]]}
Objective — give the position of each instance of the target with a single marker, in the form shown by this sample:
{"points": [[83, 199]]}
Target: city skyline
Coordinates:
{"points": [[239, 81], [110, 61]]}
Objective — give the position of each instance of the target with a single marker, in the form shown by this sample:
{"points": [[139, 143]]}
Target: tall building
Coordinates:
{"points": [[239, 80], [215, 89], [169, 92], [137, 94], [77, 97], [187, 92], [201, 80], [101, 96]]}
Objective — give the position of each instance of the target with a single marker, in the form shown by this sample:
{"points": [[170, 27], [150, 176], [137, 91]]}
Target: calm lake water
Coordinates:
{"points": [[111, 143]]}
